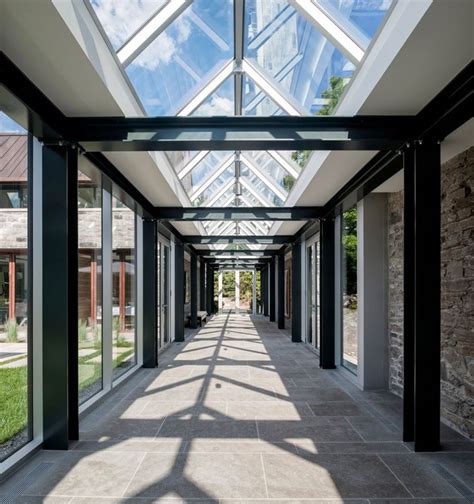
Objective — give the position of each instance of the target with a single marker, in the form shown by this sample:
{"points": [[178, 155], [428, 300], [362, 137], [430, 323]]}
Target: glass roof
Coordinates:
{"points": [[240, 57]]}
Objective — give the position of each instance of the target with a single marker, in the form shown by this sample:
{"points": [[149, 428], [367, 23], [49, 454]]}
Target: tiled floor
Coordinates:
{"points": [[239, 414]]}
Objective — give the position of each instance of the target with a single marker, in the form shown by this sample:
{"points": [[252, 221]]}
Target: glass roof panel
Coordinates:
{"points": [[257, 185], [366, 15], [271, 169], [255, 102], [293, 55], [228, 195], [179, 159], [213, 190], [183, 58], [121, 19], [204, 170], [248, 196], [220, 102]]}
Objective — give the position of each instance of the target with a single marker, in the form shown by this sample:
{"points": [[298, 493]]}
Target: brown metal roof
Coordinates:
{"points": [[13, 157]]}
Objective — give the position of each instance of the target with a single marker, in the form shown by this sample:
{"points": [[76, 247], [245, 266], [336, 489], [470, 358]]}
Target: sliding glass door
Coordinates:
{"points": [[163, 332]]}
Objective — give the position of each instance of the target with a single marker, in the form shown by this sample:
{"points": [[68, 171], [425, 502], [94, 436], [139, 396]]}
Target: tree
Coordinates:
{"points": [[333, 94], [349, 243]]}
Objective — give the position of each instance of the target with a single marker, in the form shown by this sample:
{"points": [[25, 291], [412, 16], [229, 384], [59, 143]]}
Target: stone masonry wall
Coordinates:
{"points": [[395, 290], [457, 292]]}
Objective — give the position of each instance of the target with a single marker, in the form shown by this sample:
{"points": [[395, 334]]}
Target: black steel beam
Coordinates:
{"points": [[449, 109], [237, 252], [281, 291], [179, 291], [100, 134], [202, 284], [380, 168], [237, 213], [326, 285], [271, 293], [193, 323], [213, 240], [150, 294], [296, 293], [60, 315]]}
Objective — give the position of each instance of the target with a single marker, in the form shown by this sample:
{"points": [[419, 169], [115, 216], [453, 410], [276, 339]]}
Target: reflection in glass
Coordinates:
{"points": [[349, 289], [290, 51], [123, 288], [90, 285], [15, 430], [184, 57], [121, 19]]}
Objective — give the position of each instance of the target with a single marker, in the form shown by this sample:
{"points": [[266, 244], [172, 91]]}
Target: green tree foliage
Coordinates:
{"points": [[288, 182], [333, 94], [349, 242]]}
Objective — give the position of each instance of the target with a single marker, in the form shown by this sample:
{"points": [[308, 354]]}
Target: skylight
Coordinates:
{"points": [[240, 57]]}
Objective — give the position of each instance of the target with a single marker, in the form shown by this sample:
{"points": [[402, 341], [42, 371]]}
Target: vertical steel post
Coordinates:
{"points": [[150, 294], [179, 292], [281, 291], [194, 291], [327, 290], [296, 293], [271, 293]]}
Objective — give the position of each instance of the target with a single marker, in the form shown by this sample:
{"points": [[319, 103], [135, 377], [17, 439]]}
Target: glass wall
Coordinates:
{"points": [[123, 288], [163, 268], [90, 284], [349, 289], [15, 341]]}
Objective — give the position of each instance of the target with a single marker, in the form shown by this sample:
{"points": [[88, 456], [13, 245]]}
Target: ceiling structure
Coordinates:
{"points": [[239, 58], [249, 58]]}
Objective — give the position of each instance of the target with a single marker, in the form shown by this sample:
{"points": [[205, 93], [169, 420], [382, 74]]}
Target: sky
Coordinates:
{"points": [[7, 125]]}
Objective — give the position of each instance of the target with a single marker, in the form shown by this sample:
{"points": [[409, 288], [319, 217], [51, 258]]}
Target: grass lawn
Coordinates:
{"points": [[13, 401]]}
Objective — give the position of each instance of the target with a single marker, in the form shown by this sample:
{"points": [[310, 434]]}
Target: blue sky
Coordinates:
{"points": [[7, 125]]}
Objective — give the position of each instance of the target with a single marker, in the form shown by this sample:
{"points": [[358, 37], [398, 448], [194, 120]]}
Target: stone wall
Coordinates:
{"points": [[14, 227], [395, 290], [457, 292]]}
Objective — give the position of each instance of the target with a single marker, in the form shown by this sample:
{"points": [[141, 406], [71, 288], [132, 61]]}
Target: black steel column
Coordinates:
{"points": [[271, 293], [194, 292], [409, 296], [425, 250], [209, 288], [178, 291], [60, 297], [327, 280], [202, 284], [296, 293], [281, 291], [264, 282], [150, 294], [73, 294]]}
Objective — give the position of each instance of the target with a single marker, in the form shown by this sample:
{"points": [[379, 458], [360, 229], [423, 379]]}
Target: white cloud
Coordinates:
{"points": [[216, 106], [120, 18], [164, 47]]}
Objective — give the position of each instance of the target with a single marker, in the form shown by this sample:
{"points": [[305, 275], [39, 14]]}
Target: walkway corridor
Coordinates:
{"points": [[239, 412]]}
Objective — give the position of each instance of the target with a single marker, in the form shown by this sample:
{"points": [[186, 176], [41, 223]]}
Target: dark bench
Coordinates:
{"points": [[201, 315]]}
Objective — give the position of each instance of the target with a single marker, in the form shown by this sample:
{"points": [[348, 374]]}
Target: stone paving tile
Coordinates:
{"points": [[239, 414], [330, 476], [199, 475]]}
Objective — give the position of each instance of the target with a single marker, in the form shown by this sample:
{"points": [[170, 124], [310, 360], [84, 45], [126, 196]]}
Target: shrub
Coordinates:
{"points": [[11, 328], [82, 330]]}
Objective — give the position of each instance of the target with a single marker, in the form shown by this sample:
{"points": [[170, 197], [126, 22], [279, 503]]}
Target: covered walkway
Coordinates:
{"points": [[238, 411]]}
